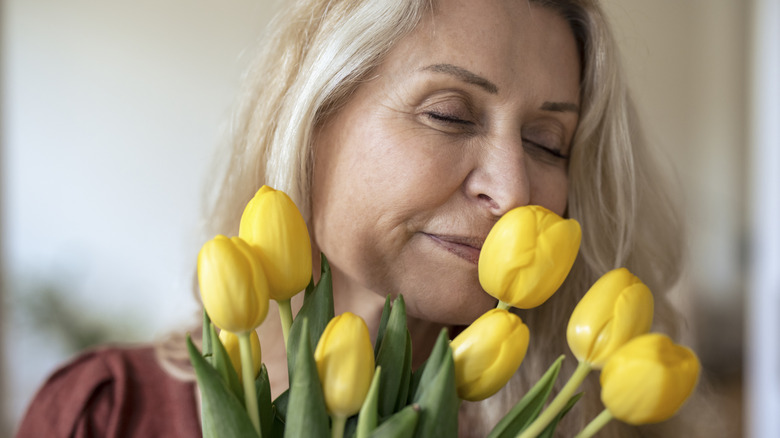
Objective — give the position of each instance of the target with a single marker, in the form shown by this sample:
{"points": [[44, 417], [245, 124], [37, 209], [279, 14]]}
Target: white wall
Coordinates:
{"points": [[111, 113]]}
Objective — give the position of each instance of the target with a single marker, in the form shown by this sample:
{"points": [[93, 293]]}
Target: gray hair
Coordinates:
{"points": [[317, 54]]}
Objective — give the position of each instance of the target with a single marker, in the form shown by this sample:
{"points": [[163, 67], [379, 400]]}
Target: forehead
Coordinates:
{"points": [[510, 42]]}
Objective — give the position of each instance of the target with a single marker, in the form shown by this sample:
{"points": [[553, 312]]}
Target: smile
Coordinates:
{"points": [[467, 248]]}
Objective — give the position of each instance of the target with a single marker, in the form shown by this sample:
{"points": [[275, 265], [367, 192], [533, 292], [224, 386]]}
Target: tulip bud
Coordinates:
{"points": [[230, 342], [527, 255], [648, 379], [345, 364], [232, 284], [617, 308], [487, 353], [274, 227]]}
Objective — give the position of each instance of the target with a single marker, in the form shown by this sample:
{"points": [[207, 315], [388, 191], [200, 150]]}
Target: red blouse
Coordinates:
{"points": [[113, 392]]}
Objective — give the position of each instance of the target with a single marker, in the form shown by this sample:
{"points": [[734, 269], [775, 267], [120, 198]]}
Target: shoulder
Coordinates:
{"points": [[111, 392]]}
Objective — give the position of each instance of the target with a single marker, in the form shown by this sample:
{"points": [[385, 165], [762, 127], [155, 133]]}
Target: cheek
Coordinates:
{"points": [[550, 189], [389, 171], [372, 186]]}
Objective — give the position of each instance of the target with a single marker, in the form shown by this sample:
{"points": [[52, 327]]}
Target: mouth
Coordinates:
{"points": [[467, 248]]}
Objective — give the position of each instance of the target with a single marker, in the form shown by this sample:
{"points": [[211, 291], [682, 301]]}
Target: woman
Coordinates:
{"points": [[404, 129]]}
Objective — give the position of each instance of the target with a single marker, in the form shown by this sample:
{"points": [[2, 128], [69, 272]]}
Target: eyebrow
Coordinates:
{"points": [[464, 75], [560, 107], [473, 78]]}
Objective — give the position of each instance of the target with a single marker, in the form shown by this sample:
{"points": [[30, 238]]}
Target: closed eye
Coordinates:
{"points": [[547, 150], [446, 118]]}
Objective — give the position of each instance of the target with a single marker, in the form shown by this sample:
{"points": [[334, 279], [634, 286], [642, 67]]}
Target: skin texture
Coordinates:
{"points": [[451, 131], [413, 171]]}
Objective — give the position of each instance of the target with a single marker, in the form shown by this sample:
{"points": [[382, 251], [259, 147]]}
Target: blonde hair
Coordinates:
{"points": [[317, 54]]}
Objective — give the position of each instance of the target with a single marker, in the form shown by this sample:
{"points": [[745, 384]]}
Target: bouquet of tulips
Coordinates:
{"points": [[342, 385]]}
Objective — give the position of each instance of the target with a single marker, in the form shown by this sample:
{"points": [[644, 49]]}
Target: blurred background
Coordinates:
{"points": [[111, 112]]}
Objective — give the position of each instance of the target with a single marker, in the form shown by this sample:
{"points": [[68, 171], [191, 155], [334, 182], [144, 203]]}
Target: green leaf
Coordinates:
{"points": [[382, 326], [224, 366], [318, 309], [402, 424], [280, 404], [306, 415], [222, 414], [425, 374], [550, 429], [392, 350], [367, 418], [280, 414], [414, 383], [528, 408], [350, 428], [309, 288], [208, 351], [439, 403], [406, 375], [265, 407], [277, 429]]}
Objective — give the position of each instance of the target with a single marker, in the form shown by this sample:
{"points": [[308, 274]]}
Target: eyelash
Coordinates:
{"points": [[553, 152], [453, 120], [446, 118]]}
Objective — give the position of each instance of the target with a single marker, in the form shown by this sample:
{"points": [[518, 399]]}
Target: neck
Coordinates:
{"points": [[362, 302], [368, 305]]}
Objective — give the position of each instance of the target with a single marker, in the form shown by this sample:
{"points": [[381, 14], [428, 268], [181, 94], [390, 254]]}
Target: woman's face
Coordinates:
{"points": [[468, 117]]}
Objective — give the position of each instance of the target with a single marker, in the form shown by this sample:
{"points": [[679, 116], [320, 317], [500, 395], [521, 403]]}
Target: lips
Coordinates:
{"points": [[465, 247]]}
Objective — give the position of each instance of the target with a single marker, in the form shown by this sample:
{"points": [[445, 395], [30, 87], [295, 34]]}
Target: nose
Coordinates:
{"points": [[499, 180]]}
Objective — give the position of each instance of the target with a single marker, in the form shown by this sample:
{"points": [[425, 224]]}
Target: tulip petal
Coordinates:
{"points": [[632, 316], [527, 255], [232, 284], [488, 352], [345, 364], [648, 379], [230, 343], [274, 227], [617, 308]]}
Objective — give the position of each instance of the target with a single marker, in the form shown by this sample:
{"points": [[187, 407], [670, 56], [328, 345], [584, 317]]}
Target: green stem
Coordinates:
{"points": [[503, 305], [558, 403], [596, 424], [248, 380], [285, 313], [337, 426]]}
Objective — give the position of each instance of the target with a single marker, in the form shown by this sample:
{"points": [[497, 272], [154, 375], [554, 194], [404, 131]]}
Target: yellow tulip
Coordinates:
{"points": [[230, 342], [648, 379], [527, 255], [345, 364], [617, 308], [487, 353], [272, 224], [232, 284]]}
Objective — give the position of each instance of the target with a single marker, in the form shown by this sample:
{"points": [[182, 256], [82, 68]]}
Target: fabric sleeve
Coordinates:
{"points": [[112, 392], [75, 401]]}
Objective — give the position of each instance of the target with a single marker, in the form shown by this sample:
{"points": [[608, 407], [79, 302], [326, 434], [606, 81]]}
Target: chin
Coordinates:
{"points": [[451, 309]]}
